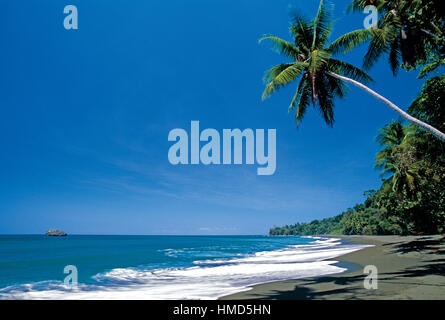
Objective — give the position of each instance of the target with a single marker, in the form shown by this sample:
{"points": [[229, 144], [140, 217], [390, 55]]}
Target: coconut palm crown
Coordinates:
{"points": [[398, 157], [322, 77], [312, 61], [406, 31]]}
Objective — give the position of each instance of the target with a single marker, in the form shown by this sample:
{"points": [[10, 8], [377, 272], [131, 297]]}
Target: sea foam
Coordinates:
{"points": [[208, 279]]}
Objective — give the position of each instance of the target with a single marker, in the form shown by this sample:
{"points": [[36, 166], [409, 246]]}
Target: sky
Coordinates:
{"points": [[85, 116]]}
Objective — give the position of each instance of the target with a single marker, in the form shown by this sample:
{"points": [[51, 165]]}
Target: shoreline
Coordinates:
{"points": [[409, 267]]}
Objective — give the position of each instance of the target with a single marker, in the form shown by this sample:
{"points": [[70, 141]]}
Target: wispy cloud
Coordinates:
{"points": [[236, 187]]}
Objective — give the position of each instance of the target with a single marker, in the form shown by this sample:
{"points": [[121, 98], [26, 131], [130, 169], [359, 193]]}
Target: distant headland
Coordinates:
{"points": [[55, 233]]}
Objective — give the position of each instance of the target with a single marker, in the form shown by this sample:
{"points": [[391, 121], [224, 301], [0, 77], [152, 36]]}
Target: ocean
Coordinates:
{"points": [[158, 267]]}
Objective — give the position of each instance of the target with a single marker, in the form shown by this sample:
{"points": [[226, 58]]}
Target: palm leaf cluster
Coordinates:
{"points": [[405, 31], [398, 158], [311, 59]]}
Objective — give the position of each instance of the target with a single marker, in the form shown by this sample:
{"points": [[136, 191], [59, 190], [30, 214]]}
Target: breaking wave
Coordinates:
{"points": [[207, 279]]}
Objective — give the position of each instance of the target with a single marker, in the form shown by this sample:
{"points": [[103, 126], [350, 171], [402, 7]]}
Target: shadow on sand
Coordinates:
{"points": [[351, 287], [423, 245]]}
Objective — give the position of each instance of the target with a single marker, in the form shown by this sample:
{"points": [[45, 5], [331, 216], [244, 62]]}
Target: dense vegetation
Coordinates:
{"points": [[411, 199]]}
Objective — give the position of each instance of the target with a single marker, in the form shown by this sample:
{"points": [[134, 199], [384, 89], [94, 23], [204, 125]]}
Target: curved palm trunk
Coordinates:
{"points": [[438, 134]]}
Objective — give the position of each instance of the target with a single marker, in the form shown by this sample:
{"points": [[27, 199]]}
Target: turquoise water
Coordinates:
{"points": [[156, 266], [32, 258]]}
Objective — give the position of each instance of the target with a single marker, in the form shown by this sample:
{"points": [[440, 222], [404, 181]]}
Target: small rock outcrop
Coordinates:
{"points": [[55, 233]]}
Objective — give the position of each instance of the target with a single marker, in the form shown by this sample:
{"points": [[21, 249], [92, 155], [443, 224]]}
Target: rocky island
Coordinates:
{"points": [[55, 233]]}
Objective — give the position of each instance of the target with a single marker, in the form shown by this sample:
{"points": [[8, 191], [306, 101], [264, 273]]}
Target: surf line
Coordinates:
{"points": [[210, 153]]}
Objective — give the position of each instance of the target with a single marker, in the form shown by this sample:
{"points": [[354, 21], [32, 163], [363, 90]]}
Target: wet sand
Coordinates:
{"points": [[411, 267]]}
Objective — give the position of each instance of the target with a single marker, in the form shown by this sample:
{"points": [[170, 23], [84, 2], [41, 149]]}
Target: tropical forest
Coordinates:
{"points": [[409, 36]]}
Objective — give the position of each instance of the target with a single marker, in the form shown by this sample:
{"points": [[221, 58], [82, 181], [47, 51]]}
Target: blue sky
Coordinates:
{"points": [[85, 116]]}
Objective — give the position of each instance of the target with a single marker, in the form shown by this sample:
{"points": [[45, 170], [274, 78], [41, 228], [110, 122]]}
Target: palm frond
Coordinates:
{"points": [[318, 59], [303, 103], [297, 93], [320, 23], [349, 70], [381, 39], [272, 73], [285, 77], [325, 99], [349, 41], [338, 87], [377, 46], [394, 56], [359, 5], [391, 135], [301, 31], [282, 46], [324, 36]]}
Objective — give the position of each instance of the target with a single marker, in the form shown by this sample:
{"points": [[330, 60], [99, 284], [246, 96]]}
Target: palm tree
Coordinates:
{"points": [[390, 137], [402, 31], [398, 157], [322, 78], [405, 176]]}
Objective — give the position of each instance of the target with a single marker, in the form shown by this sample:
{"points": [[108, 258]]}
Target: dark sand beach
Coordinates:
{"points": [[411, 267]]}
